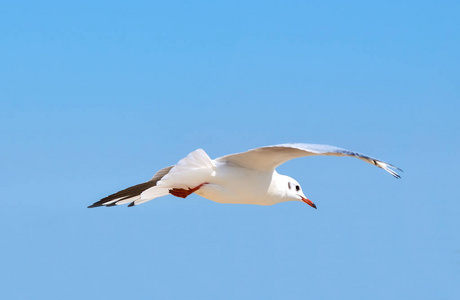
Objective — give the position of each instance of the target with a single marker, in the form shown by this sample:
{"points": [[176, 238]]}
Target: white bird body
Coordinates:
{"points": [[243, 178], [229, 185]]}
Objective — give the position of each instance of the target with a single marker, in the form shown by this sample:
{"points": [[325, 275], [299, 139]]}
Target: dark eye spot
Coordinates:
{"points": [[289, 185], [297, 188]]}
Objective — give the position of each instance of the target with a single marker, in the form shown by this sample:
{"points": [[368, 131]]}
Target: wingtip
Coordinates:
{"points": [[389, 168], [396, 168], [395, 175]]}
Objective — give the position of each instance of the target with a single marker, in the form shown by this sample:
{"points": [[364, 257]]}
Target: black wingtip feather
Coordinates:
{"points": [[133, 190], [94, 205]]}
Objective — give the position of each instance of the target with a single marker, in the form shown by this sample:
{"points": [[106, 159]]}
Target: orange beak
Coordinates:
{"points": [[309, 202]]}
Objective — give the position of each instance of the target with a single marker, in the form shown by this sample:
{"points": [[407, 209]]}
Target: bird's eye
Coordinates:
{"points": [[289, 185], [297, 188]]}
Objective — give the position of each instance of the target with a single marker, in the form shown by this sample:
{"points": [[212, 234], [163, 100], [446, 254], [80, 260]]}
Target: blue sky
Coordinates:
{"points": [[98, 95]]}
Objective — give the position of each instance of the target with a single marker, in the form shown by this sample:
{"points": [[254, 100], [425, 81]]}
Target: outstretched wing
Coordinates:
{"points": [[269, 157], [192, 170], [133, 193]]}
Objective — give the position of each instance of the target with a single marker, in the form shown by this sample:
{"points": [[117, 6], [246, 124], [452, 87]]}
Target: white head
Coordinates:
{"points": [[291, 190]]}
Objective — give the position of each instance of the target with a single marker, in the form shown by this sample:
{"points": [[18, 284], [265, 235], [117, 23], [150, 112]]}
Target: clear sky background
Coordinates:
{"points": [[98, 95]]}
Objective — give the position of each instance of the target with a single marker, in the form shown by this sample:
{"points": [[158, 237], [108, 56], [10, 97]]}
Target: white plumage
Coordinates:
{"points": [[245, 178]]}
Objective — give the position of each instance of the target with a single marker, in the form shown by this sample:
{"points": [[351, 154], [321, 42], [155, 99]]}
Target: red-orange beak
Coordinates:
{"points": [[309, 202]]}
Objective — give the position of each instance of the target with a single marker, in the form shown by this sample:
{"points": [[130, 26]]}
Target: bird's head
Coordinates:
{"points": [[293, 191]]}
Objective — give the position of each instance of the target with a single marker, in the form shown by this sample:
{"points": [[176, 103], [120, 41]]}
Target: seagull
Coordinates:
{"points": [[243, 178]]}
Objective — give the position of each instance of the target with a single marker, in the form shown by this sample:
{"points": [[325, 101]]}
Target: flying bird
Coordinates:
{"points": [[245, 178]]}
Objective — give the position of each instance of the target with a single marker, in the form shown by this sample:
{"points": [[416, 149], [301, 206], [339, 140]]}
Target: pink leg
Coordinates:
{"points": [[183, 193]]}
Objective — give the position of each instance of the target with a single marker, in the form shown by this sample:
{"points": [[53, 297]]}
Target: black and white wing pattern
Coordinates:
{"points": [[133, 193]]}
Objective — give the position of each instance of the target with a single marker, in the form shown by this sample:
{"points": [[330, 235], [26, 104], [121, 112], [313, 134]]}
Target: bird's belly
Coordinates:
{"points": [[250, 188], [217, 195]]}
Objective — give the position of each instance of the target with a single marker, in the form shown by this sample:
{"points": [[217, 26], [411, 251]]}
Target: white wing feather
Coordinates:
{"points": [[270, 157]]}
